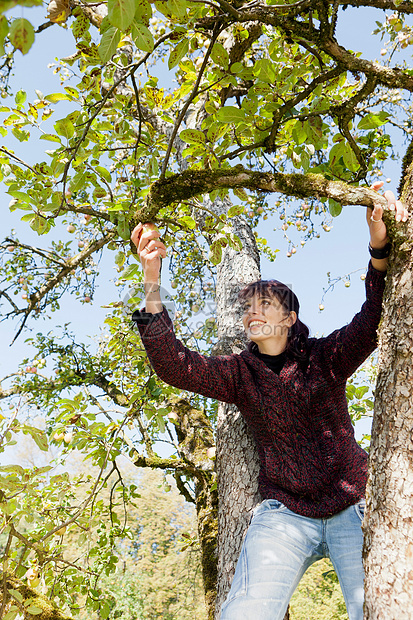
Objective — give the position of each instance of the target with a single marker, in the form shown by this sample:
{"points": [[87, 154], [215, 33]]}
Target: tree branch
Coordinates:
{"points": [[20, 161], [403, 7], [49, 610], [393, 78], [194, 182], [71, 264], [182, 489], [156, 462], [188, 102], [346, 112]]}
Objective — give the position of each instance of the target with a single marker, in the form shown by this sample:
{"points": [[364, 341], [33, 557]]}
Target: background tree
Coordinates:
{"points": [[264, 84]]}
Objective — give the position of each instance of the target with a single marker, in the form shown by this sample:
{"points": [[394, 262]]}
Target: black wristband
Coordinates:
{"points": [[381, 253]]}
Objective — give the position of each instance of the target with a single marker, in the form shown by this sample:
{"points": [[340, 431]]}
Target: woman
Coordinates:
{"points": [[291, 392]]}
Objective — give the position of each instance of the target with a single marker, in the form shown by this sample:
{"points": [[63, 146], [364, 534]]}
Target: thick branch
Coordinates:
{"points": [[158, 463], [393, 78], [111, 390], [194, 182], [49, 610], [403, 7]]}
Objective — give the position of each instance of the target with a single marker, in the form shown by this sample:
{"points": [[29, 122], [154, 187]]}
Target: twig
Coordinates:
{"points": [[71, 264], [21, 161], [38, 251], [188, 103], [5, 554]]}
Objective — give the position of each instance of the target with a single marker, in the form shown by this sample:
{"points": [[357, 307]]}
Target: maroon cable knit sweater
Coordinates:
{"points": [[310, 460]]}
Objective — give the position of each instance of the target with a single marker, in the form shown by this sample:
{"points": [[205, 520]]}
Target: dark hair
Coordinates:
{"points": [[297, 344]]}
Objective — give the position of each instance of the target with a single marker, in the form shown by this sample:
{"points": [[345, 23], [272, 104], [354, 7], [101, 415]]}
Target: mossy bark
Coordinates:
{"points": [[195, 435], [190, 183], [388, 525], [49, 610], [207, 517]]}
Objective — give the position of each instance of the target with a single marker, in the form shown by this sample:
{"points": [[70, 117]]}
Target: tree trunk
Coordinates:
{"points": [[237, 460], [388, 526]]}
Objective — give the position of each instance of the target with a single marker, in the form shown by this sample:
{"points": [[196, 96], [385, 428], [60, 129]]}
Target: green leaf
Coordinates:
{"points": [[334, 207], [220, 56], [50, 137], [21, 196], [16, 594], [77, 182], [55, 97], [131, 272], [192, 136], [12, 614], [216, 131], [34, 610], [265, 71], [121, 13], [142, 36], [104, 173], [231, 114], [42, 470], [17, 469], [350, 159], [28, 217], [299, 133], [4, 29], [314, 129], [143, 12], [38, 436], [372, 121], [236, 209], [235, 242], [123, 229], [161, 423], [178, 53], [215, 253], [65, 128], [240, 193], [177, 7], [20, 97], [236, 67], [11, 485], [21, 134], [21, 34], [109, 43], [40, 225], [361, 390], [188, 221]]}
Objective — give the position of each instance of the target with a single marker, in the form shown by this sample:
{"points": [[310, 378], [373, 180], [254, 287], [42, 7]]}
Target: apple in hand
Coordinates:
{"points": [[148, 227]]}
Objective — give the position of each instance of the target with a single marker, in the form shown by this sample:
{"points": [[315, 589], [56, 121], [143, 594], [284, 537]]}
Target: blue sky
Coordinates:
{"points": [[340, 251]]}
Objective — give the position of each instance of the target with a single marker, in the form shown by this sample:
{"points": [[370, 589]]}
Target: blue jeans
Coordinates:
{"points": [[277, 550]]}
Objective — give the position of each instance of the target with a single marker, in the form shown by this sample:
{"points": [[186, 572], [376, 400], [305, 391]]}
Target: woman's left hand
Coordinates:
{"points": [[378, 232]]}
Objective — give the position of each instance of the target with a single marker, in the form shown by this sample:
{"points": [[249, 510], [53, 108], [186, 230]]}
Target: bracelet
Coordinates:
{"points": [[149, 290], [381, 253]]}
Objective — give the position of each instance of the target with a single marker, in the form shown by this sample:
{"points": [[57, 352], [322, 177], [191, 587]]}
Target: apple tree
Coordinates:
{"points": [[261, 111]]}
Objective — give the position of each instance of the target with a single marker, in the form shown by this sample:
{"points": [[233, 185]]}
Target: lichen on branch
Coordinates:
{"points": [[191, 183]]}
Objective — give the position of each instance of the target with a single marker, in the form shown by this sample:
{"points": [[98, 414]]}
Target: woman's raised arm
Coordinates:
{"points": [[150, 250]]}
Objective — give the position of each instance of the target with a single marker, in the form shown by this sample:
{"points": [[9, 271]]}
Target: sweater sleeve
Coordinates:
{"points": [[214, 377], [348, 347]]}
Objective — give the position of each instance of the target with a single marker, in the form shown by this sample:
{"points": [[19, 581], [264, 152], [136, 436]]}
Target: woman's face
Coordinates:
{"points": [[267, 323]]}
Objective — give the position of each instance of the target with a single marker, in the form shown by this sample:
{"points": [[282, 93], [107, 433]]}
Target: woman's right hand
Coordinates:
{"points": [[150, 249]]}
